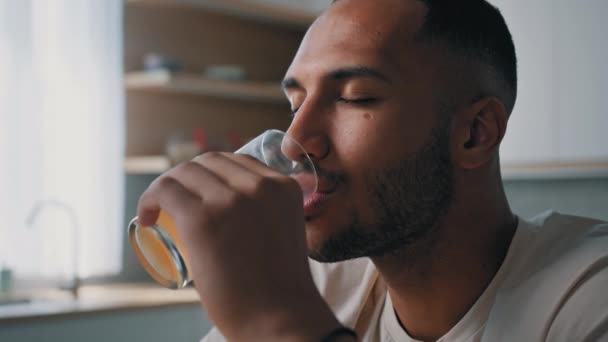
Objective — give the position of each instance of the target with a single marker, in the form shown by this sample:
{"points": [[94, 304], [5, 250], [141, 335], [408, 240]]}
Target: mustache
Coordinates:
{"points": [[333, 177]]}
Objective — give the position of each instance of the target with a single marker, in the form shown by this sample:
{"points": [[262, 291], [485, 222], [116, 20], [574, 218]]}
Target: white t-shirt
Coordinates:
{"points": [[552, 286]]}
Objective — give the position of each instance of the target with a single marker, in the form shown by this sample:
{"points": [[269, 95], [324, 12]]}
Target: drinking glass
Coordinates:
{"points": [[159, 248]]}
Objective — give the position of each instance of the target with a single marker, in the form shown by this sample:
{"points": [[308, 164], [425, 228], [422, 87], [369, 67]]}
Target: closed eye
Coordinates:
{"points": [[358, 101], [354, 101]]}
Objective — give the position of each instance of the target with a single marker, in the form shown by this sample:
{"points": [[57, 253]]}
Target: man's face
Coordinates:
{"points": [[366, 98]]}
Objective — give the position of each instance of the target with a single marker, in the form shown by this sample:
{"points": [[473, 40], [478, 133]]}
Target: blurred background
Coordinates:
{"points": [[98, 97]]}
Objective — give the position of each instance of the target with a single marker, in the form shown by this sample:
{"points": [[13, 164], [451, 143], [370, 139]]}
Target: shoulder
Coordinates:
{"points": [[567, 230], [562, 251], [578, 246], [559, 262], [571, 243], [583, 313]]}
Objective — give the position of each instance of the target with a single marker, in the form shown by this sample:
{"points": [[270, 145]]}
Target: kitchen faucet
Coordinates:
{"points": [[71, 213]]}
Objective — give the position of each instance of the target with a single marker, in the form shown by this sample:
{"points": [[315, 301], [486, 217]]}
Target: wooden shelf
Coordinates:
{"points": [[280, 15], [147, 165], [555, 170], [162, 80]]}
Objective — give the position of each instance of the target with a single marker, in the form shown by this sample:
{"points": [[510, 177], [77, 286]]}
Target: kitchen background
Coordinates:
{"points": [[204, 75]]}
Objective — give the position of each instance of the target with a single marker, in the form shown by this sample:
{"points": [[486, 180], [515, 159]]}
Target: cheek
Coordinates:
{"points": [[360, 149], [370, 140], [365, 145], [356, 137]]}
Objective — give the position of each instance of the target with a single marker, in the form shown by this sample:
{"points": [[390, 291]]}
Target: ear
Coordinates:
{"points": [[478, 130]]}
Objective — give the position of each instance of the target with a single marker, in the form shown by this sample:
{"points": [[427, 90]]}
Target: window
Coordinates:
{"points": [[61, 136]]}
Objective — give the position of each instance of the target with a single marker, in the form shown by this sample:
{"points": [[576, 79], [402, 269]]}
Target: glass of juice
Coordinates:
{"points": [[158, 247]]}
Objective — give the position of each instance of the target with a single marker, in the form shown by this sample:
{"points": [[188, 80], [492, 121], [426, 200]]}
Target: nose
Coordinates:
{"points": [[307, 130]]}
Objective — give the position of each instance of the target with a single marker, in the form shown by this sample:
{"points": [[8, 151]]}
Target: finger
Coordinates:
{"points": [[283, 170], [200, 180], [264, 171], [238, 176], [253, 164], [170, 195], [304, 180]]}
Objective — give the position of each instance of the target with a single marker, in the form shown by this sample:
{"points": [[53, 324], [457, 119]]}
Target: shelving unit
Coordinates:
{"points": [[258, 38]]}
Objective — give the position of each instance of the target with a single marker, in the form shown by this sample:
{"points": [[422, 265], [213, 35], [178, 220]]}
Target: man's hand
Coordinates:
{"points": [[242, 225]]}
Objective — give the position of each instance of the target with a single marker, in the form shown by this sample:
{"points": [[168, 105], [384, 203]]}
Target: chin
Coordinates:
{"points": [[316, 234], [320, 229]]}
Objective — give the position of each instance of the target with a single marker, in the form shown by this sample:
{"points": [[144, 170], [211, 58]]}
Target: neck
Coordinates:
{"points": [[434, 283]]}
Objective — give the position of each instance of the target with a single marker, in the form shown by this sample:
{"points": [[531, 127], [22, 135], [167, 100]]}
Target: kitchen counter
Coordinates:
{"points": [[93, 299]]}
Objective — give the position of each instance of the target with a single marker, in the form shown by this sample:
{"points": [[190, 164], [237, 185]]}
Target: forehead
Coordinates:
{"points": [[372, 32]]}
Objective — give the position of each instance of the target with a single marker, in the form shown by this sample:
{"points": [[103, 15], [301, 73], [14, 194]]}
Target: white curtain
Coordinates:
{"points": [[61, 136]]}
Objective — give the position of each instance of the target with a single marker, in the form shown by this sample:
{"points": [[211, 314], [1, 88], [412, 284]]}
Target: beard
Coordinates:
{"points": [[407, 201]]}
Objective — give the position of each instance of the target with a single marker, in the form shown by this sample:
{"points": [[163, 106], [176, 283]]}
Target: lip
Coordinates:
{"points": [[314, 202]]}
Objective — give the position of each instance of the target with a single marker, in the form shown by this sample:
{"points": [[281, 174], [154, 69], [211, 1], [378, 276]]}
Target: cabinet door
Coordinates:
{"points": [[531, 132], [582, 85]]}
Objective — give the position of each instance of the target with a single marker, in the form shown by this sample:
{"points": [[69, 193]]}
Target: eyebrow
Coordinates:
{"points": [[342, 74]]}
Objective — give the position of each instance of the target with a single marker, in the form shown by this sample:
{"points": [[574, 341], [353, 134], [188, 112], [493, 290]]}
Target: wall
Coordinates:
{"points": [[583, 197], [560, 114]]}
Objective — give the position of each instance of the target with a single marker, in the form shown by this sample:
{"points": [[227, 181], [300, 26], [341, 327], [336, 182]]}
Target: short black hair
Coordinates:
{"points": [[476, 32]]}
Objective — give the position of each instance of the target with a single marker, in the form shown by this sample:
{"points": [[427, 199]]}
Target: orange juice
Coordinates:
{"points": [[161, 252]]}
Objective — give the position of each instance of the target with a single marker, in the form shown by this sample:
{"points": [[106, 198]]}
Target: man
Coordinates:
{"points": [[402, 105]]}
